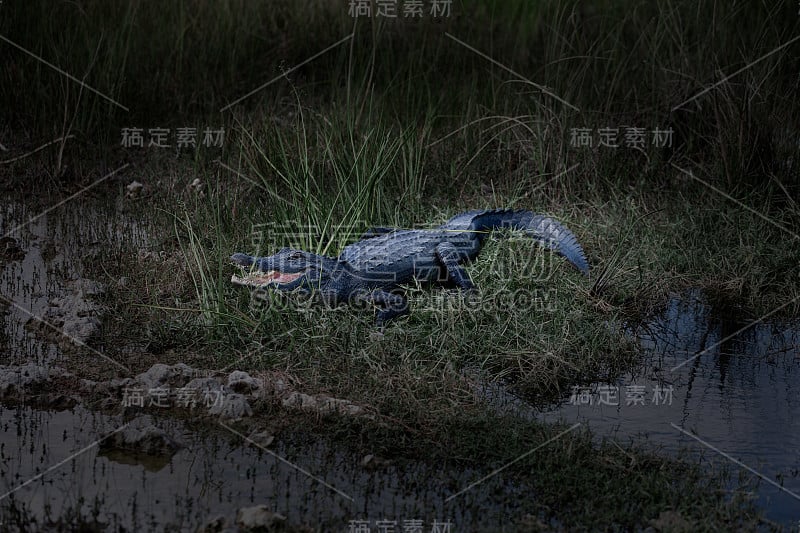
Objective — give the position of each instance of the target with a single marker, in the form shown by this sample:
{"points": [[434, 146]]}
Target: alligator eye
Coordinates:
{"points": [[296, 255]]}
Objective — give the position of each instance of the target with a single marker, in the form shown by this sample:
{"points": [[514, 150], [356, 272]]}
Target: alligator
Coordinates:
{"points": [[373, 270]]}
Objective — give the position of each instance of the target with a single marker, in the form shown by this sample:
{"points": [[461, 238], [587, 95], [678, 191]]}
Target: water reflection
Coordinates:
{"points": [[735, 387], [216, 473]]}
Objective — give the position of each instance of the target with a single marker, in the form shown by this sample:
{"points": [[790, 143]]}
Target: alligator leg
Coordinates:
{"points": [[389, 305], [448, 255]]}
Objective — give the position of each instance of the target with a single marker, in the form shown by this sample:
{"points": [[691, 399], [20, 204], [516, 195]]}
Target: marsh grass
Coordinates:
{"points": [[402, 126]]}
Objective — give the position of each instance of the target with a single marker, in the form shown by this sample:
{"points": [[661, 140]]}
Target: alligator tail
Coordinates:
{"points": [[543, 229]]}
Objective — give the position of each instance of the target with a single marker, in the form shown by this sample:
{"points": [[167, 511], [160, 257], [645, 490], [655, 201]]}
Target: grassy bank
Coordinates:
{"points": [[406, 124]]}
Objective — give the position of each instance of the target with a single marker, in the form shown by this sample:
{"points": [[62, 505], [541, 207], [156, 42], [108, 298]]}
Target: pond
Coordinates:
{"points": [[725, 388], [310, 483]]}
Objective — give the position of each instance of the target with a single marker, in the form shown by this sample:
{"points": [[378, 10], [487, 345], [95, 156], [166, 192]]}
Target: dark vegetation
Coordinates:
{"points": [[403, 125]]}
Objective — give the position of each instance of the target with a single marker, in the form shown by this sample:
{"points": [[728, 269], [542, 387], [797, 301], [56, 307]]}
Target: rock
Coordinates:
{"points": [[244, 383], [17, 379], [146, 439], [371, 462], [133, 189], [196, 185], [32, 381], [259, 518], [300, 401], [208, 392], [204, 384], [161, 375], [81, 328], [322, 404], [74, 315], [232, 407], [346, 407], [112, 387], [262, 438]]}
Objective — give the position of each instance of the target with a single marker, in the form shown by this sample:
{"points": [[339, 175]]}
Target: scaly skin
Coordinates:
{"points": [[373, 269]]}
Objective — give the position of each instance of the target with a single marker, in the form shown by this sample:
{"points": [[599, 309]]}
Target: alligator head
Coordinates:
{"points": [[286, 270]]}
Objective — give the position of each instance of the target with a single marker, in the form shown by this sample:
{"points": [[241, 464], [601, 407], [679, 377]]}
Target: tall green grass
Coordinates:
{"points": [[633, 60], [333, 176], [368, 136]]}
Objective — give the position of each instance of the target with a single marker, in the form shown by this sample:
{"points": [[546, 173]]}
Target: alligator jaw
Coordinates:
{"points": [[262, 279]]}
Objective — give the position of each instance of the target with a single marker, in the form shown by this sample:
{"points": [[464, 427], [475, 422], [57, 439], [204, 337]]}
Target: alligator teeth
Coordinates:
{"points": [[261, 279]]}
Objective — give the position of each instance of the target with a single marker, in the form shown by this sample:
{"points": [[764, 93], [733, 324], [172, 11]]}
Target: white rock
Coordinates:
{"points": [[258, 517]]}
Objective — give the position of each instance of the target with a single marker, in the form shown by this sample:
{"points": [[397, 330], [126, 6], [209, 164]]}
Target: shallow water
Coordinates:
{"points": [[217, 473], [741, 395], [55, 244]]}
